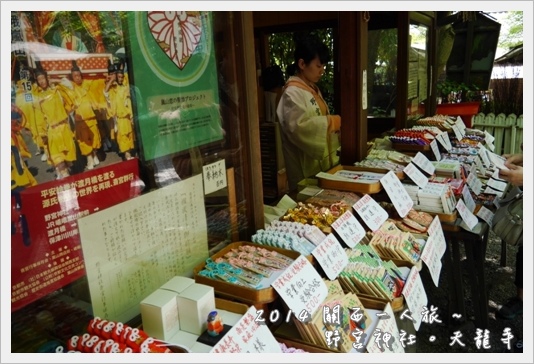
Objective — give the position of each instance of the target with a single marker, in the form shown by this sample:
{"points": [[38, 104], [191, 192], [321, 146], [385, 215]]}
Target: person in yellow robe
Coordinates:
{"points": [[118, 96], [21, 176], [86, 101], [55, 104], [309, 133]]}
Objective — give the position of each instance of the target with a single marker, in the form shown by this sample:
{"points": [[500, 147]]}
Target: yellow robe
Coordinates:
{"points": [[121, 110], [87, 133]]}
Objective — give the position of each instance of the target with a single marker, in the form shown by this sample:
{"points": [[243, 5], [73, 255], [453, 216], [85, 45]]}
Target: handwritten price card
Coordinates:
{"points": [[349, 229], [397, 193], [468, 199], [457, 132], [443, 138], [331, 256], [386, 324], [485, 214], [416, 175], [214, 176], [371, 212], [424, 163], [480, 166], [415, 296], [435, 149], [248, 336], [460, 123], [488, 137], [469, 219], [434, 249], [483, 153], [301, 287]]}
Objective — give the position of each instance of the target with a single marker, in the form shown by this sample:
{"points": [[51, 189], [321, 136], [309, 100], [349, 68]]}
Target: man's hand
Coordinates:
{"points": [[514, 175], [516, 159]]}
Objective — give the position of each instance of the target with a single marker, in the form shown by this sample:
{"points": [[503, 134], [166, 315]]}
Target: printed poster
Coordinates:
{"points": [[174, 69]]}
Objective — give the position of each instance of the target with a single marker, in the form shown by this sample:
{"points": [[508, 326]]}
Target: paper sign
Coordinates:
{"points": [[457, 132], [214, 176], [331, 256], [488, 137], [435, 149], [497, 160], [424, 163], [349, 229], [371, 212], [301, 287], [436, 230], [481, 167], [472, 170], [415, 296], [385, 325], [397, 193], [443, 138], [248, 336], [467, 216], [460, 123], [477, 187], [432, 259], [482, 152], [416, 175], [485, 214], [468, 199]]}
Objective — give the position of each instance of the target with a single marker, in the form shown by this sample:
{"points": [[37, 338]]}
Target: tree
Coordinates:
{"points": [[514, 34]]}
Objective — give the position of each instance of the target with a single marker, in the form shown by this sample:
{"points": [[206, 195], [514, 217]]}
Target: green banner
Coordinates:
{"points": [[175, 76]]}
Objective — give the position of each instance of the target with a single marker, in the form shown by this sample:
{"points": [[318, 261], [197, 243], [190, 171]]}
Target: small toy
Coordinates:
{"points": [[215, 324]]}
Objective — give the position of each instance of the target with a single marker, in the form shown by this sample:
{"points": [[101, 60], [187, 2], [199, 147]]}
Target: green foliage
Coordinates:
{"points": [[282, 46], [454, 91], [514, 36]]}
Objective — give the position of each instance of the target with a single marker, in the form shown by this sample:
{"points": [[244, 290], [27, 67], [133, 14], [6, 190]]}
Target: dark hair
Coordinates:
{"points": [[309, 47], [272, 77], [75, 67]]}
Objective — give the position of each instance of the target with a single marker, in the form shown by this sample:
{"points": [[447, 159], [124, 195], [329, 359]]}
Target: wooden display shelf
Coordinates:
{"points": [[234, 292], [411, 147], [400, 174], [368, 188]]}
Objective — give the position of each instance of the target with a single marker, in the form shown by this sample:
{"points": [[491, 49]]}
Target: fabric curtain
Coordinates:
{"points": [[43, 23], [91, 22]]}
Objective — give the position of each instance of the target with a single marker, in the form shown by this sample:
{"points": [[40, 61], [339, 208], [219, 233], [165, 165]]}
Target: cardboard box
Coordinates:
{"points": [[159, 313], [194, 305], [177, 284]]}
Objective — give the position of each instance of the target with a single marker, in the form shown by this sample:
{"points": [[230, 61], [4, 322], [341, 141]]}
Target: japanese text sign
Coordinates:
{"points": [[301, 287], [331, 256], [424, 163], [214, 175], [371, 212], [349, 229], [397, 193], [415, 296], [468, 217], [416, 175], [435, 149]]}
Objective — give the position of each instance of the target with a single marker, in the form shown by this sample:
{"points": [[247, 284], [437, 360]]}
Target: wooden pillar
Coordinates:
{"points": [[352, 63], [403, 36]]}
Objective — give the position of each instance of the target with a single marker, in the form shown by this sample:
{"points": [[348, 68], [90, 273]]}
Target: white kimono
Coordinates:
{"points": [[308, 146]]}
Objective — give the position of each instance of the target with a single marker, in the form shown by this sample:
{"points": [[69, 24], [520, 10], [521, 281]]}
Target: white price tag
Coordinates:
{"points": [[371, 212], [415, 295], [416, 175], [214, 176], [478, 162], [467, 216], [488, 137], [457, 132], [483, 153], [397, 193], [349, 229], [468, 199], [461, 123], [424, 163], [432, 260], [435, 229], [435, 149], [331, 256], [443, 138], [306, 296], [485, 214]]}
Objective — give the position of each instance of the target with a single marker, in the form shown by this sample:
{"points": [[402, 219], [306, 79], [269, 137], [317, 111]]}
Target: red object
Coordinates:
{"points": [[52, 258], [466, 110]]}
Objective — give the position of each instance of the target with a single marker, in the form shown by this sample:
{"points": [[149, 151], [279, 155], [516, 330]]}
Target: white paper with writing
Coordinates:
{"points": [[483, 153], [432, 259], [372, 214], [485, 214], [443, 138], [435, 229], [247, 336], [461, 124], [415, 296], [349, 229], [214, 175], [469, 219], [458, 132], [424, 163], [435, 149], [480, 166], [397, 193], [497, 185], [468, 199], [385, 325], [416, 175], [331, 256], [301, 287]]}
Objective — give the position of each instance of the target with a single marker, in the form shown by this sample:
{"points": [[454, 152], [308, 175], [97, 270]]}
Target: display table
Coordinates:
{"points": [[475, 244]]}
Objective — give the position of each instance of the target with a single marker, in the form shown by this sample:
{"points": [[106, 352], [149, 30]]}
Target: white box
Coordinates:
{"points": [[159, 313], [177, 284], [194, 305]]}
